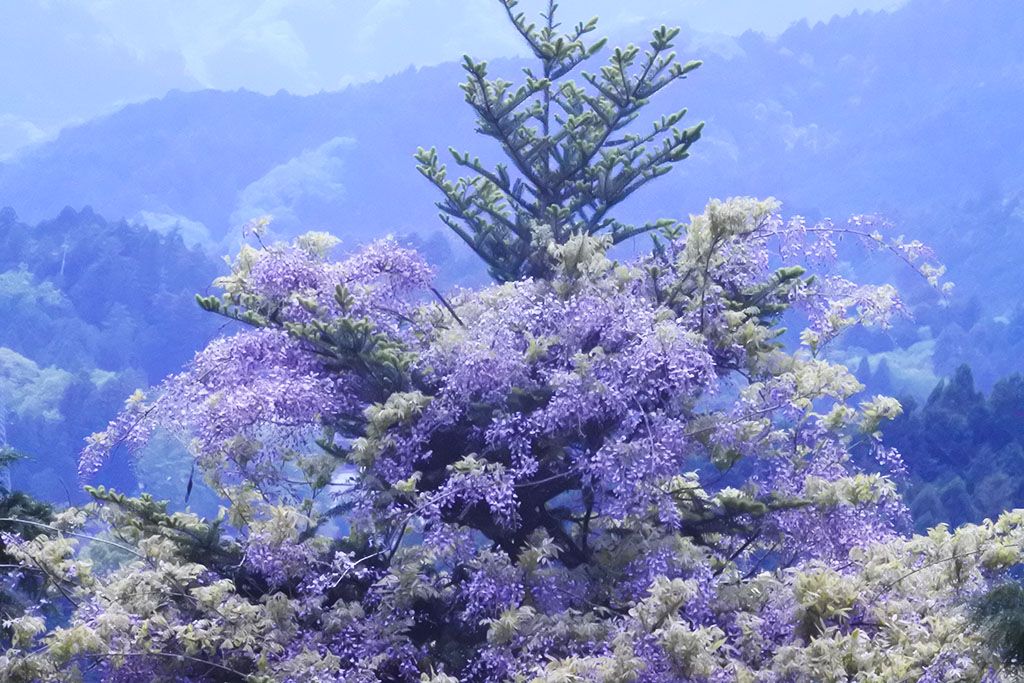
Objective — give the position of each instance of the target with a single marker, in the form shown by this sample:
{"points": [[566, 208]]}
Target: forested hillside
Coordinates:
{"points": [[842, 117], [91, 310]]}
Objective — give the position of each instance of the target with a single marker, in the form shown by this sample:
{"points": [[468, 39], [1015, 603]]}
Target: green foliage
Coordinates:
{"points": [[463, 526], [1000, 614], [144, 517], [574, 151], [19, 593]]}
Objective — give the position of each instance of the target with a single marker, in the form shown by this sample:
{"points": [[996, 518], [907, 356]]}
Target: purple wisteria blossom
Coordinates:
{"points": [[614, 469], [590, 471]]}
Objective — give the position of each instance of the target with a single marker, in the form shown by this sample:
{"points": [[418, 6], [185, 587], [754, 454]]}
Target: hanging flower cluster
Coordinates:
{"points": [[591, 471], [613, 474]]}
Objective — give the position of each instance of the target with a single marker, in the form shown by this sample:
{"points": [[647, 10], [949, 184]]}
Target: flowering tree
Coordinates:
{"points": [[602, 472]]}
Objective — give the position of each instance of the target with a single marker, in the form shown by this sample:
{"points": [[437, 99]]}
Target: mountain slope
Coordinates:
{"points": [[839, 118]]}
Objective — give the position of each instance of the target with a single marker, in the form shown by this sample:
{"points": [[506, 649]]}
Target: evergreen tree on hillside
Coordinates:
{"points": [[90, 310]]}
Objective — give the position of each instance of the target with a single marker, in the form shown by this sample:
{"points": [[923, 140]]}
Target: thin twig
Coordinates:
{"points": [[40, 525], [447, 305]]}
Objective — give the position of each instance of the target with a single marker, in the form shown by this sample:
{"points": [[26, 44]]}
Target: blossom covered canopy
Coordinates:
{"points": [[591, 471], [616, 473]]}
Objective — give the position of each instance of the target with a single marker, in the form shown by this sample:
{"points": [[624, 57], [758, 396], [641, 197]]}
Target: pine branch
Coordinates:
{"points": [[571, 159]]}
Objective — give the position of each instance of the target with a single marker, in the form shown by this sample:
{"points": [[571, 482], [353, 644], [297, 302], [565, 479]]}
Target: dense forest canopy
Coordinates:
{"points": [[91, 311]]}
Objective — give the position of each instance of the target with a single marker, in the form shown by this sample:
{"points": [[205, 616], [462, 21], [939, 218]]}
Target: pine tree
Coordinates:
{"points": [[574, 151]]}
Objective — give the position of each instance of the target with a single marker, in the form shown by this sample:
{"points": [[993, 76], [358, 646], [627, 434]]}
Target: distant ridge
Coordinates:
{"points": [[845, 116]]}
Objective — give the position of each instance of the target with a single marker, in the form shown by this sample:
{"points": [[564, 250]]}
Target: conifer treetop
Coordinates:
{"points": [[573, 151]]}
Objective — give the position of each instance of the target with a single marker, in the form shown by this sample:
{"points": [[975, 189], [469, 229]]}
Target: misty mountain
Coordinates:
{"points": [[833, 119], [839, 117]]}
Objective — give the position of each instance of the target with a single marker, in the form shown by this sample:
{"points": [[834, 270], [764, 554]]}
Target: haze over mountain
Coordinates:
{"points": [[838, 118], [69, 61]]}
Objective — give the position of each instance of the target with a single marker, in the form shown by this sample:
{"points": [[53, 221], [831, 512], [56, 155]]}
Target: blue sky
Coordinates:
{"points": [[65, 61]]}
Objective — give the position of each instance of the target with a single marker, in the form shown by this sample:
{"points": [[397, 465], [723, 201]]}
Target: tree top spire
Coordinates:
{"points": [[573, 151]]}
